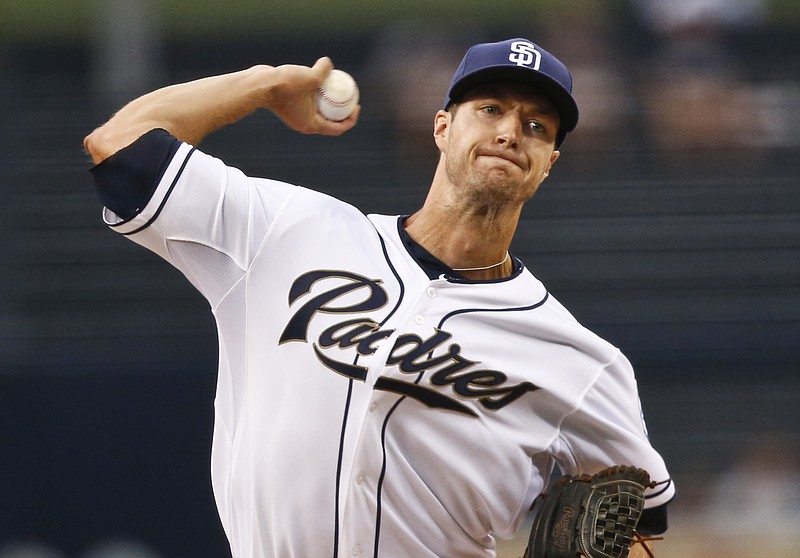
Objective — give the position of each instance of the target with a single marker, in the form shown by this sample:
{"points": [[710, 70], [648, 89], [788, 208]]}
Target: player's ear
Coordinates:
{"points": [[553, 157], [441, 127]]}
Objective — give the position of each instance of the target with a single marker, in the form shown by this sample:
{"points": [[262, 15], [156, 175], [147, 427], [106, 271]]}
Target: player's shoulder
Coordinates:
{"points": [[386, 224], [268, 190], [565, 327], [313, 200]]}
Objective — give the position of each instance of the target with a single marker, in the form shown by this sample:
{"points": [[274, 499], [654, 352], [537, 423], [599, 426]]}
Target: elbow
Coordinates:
{"points": [[95, 146], [106, 140], [109, 138]]}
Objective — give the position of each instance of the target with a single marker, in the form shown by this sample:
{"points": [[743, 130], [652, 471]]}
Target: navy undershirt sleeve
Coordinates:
{"points": [[653, 521], [126, 180]]}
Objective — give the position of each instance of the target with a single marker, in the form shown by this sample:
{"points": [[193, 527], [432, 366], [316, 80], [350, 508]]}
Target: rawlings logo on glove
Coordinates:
{"points": [[590, 515]]}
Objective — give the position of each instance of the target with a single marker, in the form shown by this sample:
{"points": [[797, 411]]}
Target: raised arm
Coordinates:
{"points": [[193, 110]]}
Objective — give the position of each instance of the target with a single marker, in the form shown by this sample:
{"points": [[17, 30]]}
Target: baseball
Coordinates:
{"points": [[338, 96]]}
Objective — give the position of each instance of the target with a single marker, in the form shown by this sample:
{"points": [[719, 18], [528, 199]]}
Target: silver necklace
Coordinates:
{"points": [[501, 262]]}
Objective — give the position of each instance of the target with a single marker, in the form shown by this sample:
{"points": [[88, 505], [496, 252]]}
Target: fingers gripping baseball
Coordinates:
{"points": [[294, 99]]}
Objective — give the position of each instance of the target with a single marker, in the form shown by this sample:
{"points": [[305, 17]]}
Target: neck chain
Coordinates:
{"points": [[501, 262]]}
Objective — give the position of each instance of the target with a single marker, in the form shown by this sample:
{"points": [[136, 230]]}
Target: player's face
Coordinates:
{"points": [[499, 142]]}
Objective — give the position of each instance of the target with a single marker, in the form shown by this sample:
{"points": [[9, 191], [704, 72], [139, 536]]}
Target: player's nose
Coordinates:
{"points": [[509, 131]]}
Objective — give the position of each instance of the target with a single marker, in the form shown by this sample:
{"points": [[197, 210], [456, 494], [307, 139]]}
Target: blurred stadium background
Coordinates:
{"points": [[671, 226]]}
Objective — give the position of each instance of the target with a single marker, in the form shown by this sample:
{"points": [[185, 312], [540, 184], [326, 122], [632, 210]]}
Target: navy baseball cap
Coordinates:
{"points": [[518, 60]]}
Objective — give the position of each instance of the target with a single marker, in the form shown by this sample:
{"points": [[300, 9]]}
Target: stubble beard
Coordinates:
{"points": [[482, 189]]}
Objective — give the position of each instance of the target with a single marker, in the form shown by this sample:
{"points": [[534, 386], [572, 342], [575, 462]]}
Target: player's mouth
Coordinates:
{"points": [[504, 154]]}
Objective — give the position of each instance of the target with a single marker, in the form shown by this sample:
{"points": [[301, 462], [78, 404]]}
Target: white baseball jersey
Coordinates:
{"points": [[363, 407]]}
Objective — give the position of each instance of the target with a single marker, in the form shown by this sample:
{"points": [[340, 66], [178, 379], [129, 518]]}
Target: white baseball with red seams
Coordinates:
{"points": [[338, 96]]}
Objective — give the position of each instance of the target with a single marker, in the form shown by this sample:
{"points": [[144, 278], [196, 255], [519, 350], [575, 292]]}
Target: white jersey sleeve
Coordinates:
{"points": [[608, 428], [214, 229]]}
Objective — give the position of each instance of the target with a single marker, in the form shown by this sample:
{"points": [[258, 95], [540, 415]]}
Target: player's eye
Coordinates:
{"points": [[490, 109], [535, 126]]}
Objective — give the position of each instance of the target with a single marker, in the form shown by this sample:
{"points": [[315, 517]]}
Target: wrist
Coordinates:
{"points": [[261, 81]]}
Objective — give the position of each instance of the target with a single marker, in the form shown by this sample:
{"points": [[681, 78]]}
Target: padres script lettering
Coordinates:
{"points": [[411, 354]]}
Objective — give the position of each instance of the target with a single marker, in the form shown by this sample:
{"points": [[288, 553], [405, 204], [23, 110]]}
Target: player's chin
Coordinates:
{"points": [[512, 189], [503, 176], [495, 189]]}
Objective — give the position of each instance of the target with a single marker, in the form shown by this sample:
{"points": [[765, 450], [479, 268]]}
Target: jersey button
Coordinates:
{"points": [[420, 319], [356, 550], [432, 292], [360, 479]]}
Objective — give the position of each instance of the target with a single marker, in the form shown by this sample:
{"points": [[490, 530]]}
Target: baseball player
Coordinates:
{"points": [[393, 386]]}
